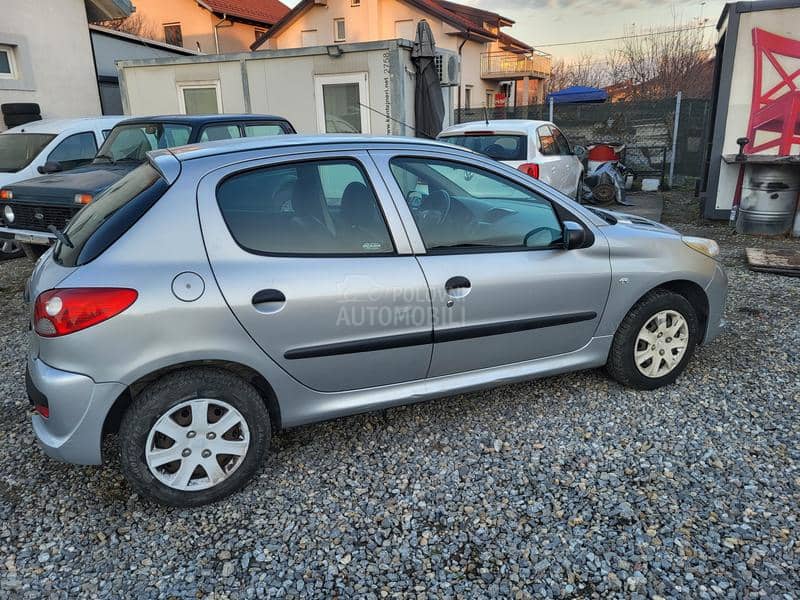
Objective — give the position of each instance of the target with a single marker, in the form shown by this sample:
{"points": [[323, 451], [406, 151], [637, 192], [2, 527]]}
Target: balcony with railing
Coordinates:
{"points": [[508, 65]]}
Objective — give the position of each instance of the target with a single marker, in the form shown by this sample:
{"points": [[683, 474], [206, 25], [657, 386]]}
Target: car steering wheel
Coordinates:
{"points": [[534, 231], [435, 207]]}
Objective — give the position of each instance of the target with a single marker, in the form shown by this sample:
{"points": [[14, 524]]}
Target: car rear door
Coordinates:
{"points": [[548, 159], [570, 164], [503, 288], [312, 258]]}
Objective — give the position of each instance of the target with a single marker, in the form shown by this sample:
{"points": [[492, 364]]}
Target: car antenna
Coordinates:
{"points": [[486, 114]]}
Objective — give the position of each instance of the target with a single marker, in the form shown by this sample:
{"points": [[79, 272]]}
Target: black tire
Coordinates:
{"points": [[17, 120], [20, 108], [34, 251], [9, 249], [621, 364], [169, 391]]}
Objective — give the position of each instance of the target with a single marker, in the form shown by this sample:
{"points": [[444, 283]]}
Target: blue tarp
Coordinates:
{"points": [[578, 93]]}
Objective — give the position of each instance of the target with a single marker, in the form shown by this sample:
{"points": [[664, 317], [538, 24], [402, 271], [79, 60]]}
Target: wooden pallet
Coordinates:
{"points": [[779, 261]]}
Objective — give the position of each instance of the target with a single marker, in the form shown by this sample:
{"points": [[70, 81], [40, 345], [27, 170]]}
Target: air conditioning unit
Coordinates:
{"points": [[448, 66]]}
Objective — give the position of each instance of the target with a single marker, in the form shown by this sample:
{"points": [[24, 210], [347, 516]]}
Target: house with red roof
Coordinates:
{"points": [[496, 68], [207, 26]]}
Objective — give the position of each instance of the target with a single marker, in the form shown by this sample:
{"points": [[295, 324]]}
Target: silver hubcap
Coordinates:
{"points": [[197, 444], [661, 343]]}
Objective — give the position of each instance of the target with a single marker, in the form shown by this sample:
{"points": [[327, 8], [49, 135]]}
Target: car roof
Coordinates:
{"points": [[56, 126], [201, 119], [498, 125], [206, 149]]}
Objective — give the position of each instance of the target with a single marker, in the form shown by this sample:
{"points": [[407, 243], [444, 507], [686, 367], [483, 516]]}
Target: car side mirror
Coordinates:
{"points": [[574, 235], [580, 151], [51, 166]]}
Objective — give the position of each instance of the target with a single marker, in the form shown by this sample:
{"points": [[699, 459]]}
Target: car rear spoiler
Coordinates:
{"points": [[165, 163]]}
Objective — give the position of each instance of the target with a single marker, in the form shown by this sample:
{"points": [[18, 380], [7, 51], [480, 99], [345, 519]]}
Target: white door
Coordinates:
{"points": [[341, 102]]}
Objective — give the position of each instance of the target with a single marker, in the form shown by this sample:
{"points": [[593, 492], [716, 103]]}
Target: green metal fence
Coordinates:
{"points": [[646, 127]]}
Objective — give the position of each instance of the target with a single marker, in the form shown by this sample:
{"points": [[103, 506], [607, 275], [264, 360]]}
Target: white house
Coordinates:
{"points": [[496, 69], [46, 54]]}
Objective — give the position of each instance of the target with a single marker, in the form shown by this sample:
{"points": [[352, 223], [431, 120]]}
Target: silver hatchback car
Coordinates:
{"points": [[222, 292]]}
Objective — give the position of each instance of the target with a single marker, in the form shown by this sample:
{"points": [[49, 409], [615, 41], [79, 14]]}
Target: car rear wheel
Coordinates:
{"points": [[9, 249], [194, 437], [654, 342]]}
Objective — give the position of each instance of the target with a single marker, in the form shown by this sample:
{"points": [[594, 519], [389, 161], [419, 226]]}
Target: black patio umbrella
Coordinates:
{"points": [[428, 101]]}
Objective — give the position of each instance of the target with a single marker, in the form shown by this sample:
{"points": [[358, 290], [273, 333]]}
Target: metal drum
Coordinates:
{"points": [[769, 198]]}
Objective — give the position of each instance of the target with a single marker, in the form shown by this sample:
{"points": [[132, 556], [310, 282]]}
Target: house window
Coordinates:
{"points": [[259, 32], [7, 67], [468, 97], [308, 38], [199, 98], [339, 34], [173, 34], [404, 29]]}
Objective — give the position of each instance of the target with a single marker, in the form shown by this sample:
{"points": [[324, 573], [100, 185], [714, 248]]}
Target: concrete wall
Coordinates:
{"points": [[278, 82], [785, 22], [197, 25], [53, 56], [377, 20]]}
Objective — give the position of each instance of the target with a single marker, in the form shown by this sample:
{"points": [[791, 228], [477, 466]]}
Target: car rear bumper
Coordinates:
{"points": [[78, 407], [716, 292]]}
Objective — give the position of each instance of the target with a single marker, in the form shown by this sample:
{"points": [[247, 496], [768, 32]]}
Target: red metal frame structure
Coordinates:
{"points": [[770, 112]]}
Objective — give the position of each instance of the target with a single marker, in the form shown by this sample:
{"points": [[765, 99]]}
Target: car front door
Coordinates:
{"points": [[503, 288], [312, 258]]}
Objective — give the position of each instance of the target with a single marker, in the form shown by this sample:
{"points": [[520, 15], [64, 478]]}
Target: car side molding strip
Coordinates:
{"points": [[427, 337]]}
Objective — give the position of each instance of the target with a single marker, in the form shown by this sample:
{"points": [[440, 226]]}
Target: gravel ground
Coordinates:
{"points": [[564, 487]]}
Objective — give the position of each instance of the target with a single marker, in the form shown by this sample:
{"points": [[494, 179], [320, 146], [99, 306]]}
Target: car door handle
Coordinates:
{"points": [[457, 287], [268, 301]]}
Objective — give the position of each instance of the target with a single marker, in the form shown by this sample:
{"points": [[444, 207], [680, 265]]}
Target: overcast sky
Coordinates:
{"points": [[540, 22]]}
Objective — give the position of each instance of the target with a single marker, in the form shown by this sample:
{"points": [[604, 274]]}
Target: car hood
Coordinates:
{"points": [[90, 179], [633, 221]]}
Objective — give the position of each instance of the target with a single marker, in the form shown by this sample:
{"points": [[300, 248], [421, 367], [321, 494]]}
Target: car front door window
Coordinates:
{"points": [[459, 207], [75, 150]]}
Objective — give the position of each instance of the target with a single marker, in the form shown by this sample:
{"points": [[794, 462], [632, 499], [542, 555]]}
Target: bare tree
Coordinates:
{"points": [[663, 62], [136, 24], [584, 70]]}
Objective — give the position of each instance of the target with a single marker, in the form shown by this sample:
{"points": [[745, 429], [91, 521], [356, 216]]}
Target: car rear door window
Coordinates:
{"points": [[261, 129], [325, 207], [466, 208], [547, 142], [563, 145], [75, 150], [222, 131]]}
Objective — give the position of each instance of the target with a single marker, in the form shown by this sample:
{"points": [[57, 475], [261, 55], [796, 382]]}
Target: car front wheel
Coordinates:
{"points": [[194, 437], [654, 342]]}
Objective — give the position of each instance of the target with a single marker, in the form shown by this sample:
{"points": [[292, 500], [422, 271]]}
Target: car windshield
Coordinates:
{"points": [[133, 142], [17, 150], [496, 146]]}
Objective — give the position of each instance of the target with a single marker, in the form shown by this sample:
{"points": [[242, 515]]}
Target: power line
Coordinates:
{"points": [[624, 37]]}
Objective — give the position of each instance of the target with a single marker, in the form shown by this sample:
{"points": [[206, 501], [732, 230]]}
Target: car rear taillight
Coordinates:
{"points": [[530, 169], [64, 311]]}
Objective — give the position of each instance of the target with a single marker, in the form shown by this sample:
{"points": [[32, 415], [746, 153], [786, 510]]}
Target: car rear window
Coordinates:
{"points": [[99, 224], [496, 146], [17, 150]]}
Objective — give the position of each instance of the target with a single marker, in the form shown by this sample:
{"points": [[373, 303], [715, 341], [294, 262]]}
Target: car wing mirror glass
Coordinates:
{"points": [[574, 235], [580, 152]]}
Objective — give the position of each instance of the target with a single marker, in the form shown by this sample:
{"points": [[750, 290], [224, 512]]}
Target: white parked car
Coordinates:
{"points": [[537, 148], [47, 146], [26, 149]]}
